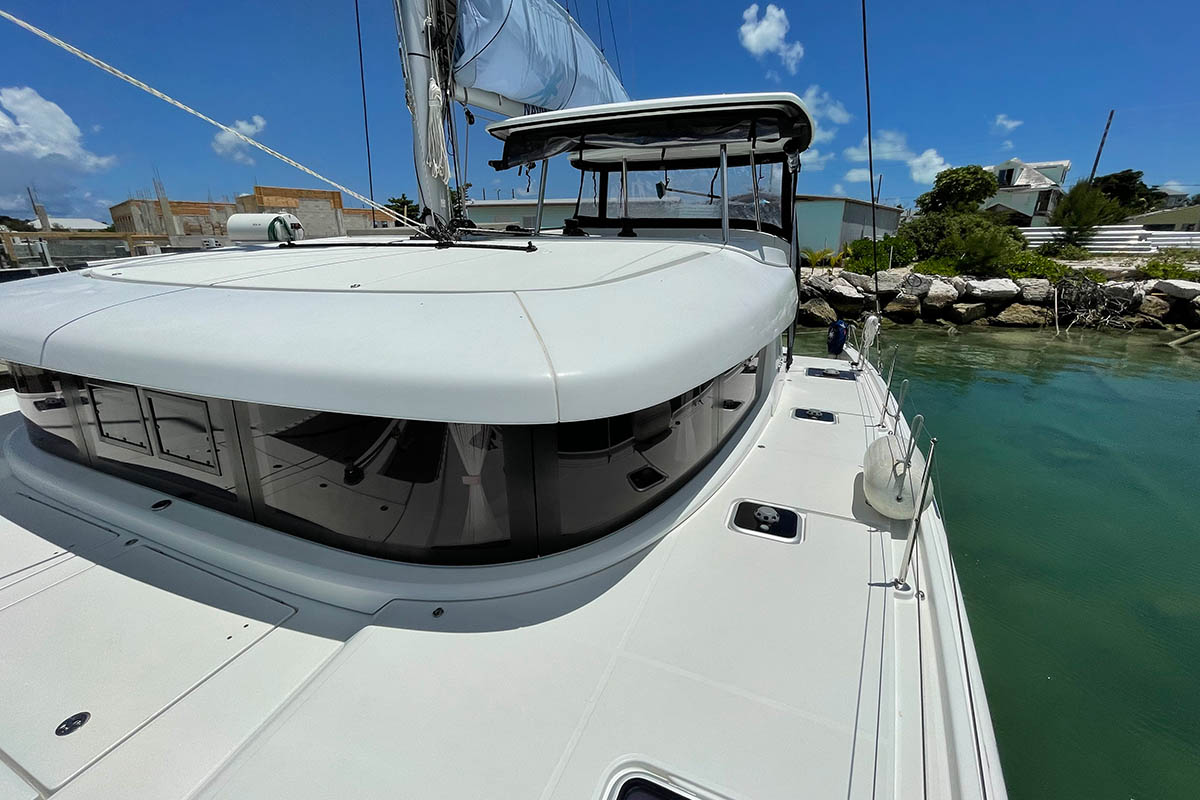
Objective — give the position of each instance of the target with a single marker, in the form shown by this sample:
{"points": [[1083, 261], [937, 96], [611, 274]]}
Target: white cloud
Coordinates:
{"points": [[1173, 186], [838, 189], [893, 146], [768, 34], [226, 144], [1004, 122], [39, 129], [823, 108], [1006, 144], [97, 128], [814, 160], [858, 175], [888, 146], [41, 146], [926, 166], [774, 76]]}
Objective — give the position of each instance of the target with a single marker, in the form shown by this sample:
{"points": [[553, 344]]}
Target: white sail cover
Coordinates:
{"points": [[532, 52]]}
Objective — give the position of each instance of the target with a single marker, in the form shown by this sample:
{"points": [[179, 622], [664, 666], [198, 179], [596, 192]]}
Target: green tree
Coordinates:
{"points": [[1084, 208], [14, 224], [458, 199], [974, 241], [958, 189], [403, 206], [1127, 189]]}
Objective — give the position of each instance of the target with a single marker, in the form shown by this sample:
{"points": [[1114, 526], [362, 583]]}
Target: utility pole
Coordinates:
{"points": [[1100, 150]]}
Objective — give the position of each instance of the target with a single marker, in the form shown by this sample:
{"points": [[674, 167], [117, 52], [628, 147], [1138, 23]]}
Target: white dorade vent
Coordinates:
{"points": [[814, 415], [769, 520], [831, 372]]}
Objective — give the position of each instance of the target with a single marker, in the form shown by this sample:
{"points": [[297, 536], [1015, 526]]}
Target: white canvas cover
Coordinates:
{"points": [[531, 51]]}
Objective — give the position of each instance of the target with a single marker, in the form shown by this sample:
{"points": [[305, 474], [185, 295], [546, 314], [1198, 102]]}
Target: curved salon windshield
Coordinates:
{"points": [[407, 490]]}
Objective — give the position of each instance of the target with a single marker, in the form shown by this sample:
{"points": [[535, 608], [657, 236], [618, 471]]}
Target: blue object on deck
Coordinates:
{"points": [[836, 339]]}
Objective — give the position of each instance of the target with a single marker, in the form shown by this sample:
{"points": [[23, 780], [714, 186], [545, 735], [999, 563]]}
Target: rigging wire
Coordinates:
{"points": [[870, 158], [416, 226], [599, 26], [362, 80], [613, 28]]}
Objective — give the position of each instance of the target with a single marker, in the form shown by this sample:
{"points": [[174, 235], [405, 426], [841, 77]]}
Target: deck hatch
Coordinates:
{"points": [[830, 372], [643, 789], [766, 519], [814, 415]]}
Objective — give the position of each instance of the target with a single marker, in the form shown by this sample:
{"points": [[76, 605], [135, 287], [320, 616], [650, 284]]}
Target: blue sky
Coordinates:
{"points": [[953, 83]]}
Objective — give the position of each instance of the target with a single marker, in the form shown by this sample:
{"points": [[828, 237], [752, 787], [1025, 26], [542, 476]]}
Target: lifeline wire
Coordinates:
{"points": [[150, 90]]}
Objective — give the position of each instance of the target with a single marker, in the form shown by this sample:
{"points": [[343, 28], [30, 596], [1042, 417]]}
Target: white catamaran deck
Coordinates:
{"points": [[751, 667]]}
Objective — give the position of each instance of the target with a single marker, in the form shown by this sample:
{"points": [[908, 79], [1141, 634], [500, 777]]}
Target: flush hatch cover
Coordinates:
{"points": [[123, 640], [766, 519], [814, 415], [830, 372]]}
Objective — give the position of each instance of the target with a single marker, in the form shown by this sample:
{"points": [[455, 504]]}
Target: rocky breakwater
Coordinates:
{"points": [[905, 296]]}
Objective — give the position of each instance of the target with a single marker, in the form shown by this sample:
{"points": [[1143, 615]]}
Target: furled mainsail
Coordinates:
{"points": [[533, 53]]}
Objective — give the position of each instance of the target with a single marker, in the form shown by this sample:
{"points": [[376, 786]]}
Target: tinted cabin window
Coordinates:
{"points": [[609, 472], [48, 418], [402, 489], [409, 490]]}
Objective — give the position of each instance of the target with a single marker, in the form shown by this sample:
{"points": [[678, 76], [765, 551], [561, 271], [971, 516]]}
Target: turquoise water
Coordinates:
{"points": [[1070, 481]]}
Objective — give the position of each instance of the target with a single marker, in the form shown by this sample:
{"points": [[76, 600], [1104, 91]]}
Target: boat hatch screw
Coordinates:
{"points": [[437, 612], [72, 723], [353, 475], [160, 505], [766, 516]]}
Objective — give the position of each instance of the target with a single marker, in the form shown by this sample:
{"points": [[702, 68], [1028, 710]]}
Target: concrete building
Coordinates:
{"points": [[1029, 191], [1175, 198], [1185, 218], [825, 222], [319, 210], [185, 222]]}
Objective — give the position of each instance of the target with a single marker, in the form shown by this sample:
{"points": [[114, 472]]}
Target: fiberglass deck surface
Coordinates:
{"points": [[750, 666]]}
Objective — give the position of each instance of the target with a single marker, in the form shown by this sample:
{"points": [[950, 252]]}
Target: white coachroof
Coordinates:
{"points": [[579, 329]]}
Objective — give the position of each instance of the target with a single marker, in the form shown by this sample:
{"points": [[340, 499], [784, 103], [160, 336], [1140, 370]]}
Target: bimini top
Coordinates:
{"points": [[771, 120], [575, 329]]}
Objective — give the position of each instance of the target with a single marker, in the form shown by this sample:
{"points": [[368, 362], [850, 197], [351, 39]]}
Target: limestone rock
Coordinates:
{"points": [[917, 284], [993, 289], [959, 283], [1130, 291], [903, 308], [1182, 290], [1022, 316], [940, 294], [890, 281], [962, 313], [1036, 291], [822, 282], [1143, 321], [1154, 306], [843, 293], [816, 313]]}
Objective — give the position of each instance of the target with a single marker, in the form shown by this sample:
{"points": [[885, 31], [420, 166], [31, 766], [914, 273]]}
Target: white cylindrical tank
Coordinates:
{"points": [[265, 228], [889, 488]]}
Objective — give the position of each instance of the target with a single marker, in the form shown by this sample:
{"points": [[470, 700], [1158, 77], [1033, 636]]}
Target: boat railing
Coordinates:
{"points": [[916, 435]]}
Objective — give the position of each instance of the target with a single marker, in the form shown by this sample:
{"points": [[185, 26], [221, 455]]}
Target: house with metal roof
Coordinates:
{"points": [[1029, 190]]}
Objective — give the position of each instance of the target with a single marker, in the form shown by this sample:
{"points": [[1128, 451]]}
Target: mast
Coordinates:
{"points": [[414, 18]]}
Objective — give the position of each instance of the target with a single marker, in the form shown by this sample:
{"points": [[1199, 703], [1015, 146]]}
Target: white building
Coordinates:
{"points": [[1028, 190], [71, 224]]}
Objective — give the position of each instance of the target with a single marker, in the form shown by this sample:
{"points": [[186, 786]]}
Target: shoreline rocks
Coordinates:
{"points": [[908, 297]]}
